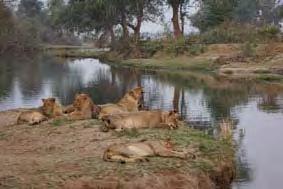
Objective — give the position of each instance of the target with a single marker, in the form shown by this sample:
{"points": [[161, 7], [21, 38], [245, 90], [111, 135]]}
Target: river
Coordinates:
{"points": [[202, 100]]}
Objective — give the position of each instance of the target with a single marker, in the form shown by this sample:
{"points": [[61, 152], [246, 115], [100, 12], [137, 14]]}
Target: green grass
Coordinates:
{"points": [[73, 52], [270, 77], [184, 63], [209, 153], [60, 122], [3, 136]]}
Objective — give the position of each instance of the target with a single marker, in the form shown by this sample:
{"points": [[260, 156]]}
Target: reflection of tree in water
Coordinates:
{"points": [[110, 89], [221, 96], [7, 72], [243, 170], [268, 102]]}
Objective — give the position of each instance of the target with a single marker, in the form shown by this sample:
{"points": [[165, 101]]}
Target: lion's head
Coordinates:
{"points": [[135, 95], [48, 106], [171, 119], [137, 92], [83, 102]]}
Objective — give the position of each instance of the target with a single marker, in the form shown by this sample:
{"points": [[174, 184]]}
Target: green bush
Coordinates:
{"points": [[229, 33], [196, 49], [248, 49], [176, 47], [149, 48], [238, 33], [269, 32]]}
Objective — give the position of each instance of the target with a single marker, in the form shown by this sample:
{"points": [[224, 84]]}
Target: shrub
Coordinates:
{"points": [[196, 49], [269, 31], [248, 49], [176, 47], [149, 48], [238, 33]]}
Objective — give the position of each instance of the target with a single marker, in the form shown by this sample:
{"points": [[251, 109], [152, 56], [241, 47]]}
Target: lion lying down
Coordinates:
{"points": [[131, 102], [142, 119], [138, 151], [84, 108], [49, 109], [31, 117]]}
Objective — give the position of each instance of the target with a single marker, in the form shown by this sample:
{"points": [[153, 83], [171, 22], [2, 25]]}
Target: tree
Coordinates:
{"points": [[55, 8], [30, 8], [143, 10], [104, 15], [246, 11], [213, 12], [175, 5], [180, 10]]}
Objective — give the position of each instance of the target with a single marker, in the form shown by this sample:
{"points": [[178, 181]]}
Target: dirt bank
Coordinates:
{"points": [[264, 62], [64, 154], [227, 60]]}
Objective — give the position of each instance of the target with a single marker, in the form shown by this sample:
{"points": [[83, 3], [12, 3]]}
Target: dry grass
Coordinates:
{"points": [[69, 154]]}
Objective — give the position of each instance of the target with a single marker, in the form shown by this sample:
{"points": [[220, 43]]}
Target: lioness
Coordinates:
{"points": [[131, 102], [141, 119], [31, 117], [138, 151], [83, 107], [51, 108]]}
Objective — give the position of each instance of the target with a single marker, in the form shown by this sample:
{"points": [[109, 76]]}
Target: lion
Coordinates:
{"points": [[139, 151], [131, 102], [31, 117], [68, 109], [141, 119], [84, 108], [51, 108]]}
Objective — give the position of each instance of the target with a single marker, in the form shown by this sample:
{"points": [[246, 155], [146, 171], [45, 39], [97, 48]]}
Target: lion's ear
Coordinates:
{"points": [[43, 100], [53, 99], [172, 112]]}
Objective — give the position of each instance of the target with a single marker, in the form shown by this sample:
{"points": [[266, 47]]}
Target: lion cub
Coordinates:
{"points": [[31, 117], [51, 108], [83, 107], [131, 102], [138, 151], [142, 119]]}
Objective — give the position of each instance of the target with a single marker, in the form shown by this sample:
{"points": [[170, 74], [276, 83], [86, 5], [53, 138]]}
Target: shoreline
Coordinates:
{"points": [[219, 59], [61, 153]]}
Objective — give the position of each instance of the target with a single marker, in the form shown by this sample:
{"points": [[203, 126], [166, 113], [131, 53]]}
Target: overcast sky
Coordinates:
{"points": [[158, 27]]}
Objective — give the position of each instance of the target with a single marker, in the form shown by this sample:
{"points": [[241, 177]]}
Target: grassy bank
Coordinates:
{"points": [[66, 154], [262, 62], [72, 51]]}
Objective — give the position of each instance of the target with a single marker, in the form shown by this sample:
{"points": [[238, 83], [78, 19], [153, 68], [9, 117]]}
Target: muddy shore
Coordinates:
{"points": [[68, 154]]}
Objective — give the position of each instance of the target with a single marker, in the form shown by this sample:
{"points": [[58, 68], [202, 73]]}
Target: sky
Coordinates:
{"points": [[158, 27]]}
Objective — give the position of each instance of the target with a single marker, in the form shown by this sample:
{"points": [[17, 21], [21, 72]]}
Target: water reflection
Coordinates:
{"points": [[201, 99]]}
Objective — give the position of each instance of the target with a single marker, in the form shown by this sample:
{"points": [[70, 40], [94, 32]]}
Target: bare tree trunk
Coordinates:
{"points": [[125, 27], [182, 18], [112, 36], [175, 4], [183, 104], [139, 21], [138, 28]]}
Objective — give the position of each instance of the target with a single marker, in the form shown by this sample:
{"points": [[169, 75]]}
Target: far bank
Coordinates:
{"points": [[262, 62]]}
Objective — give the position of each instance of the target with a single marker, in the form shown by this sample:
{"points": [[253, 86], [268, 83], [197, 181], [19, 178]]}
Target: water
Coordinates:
{"points": [[201, 99]]}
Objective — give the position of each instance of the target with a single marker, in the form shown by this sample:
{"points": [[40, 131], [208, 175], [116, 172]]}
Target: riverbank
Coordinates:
{"points": [[263, 62], [67, 154]]}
